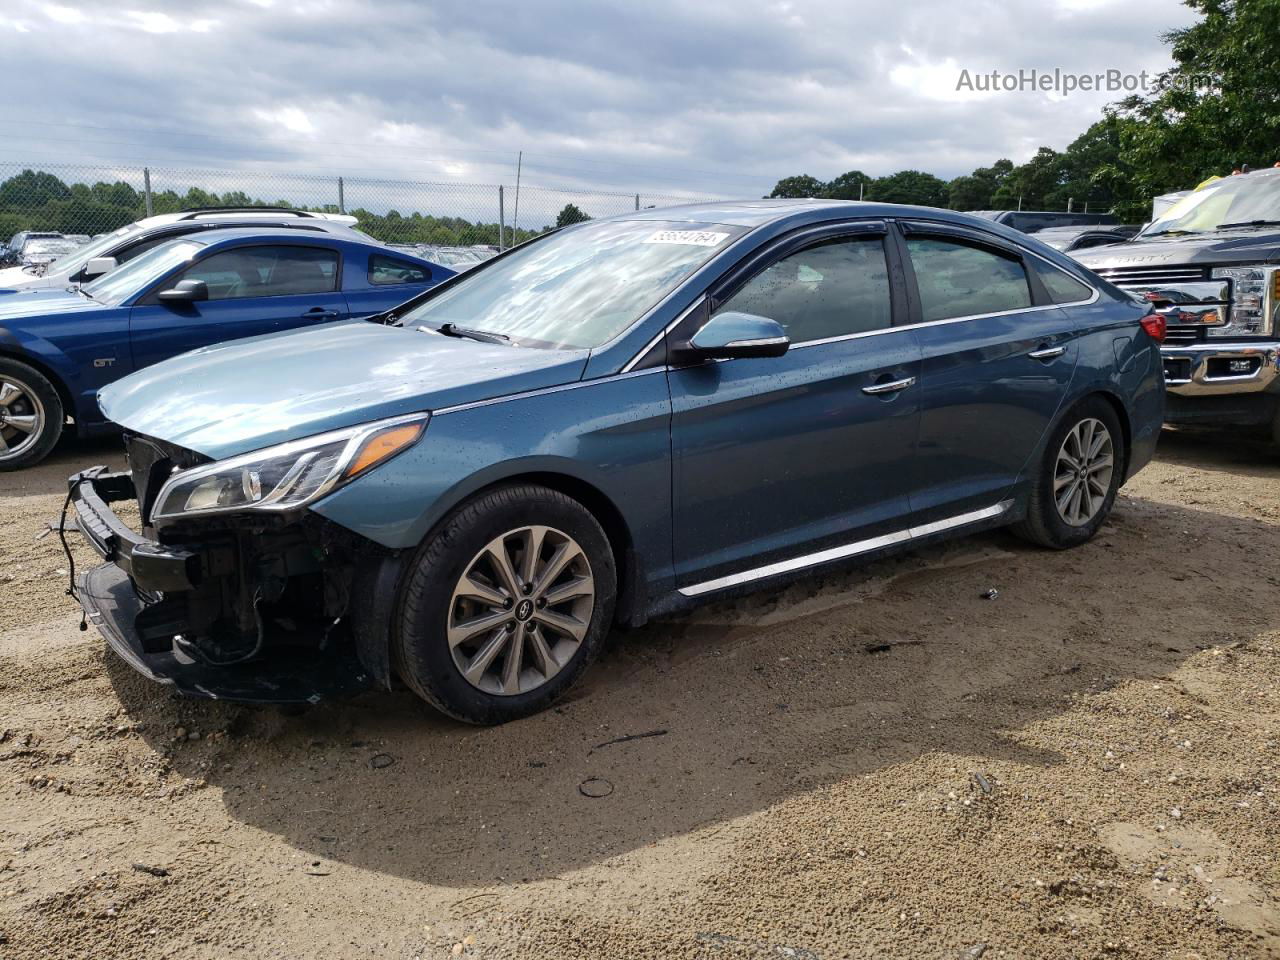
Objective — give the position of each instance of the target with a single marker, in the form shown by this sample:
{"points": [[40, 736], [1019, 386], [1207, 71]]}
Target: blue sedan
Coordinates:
{"points": [[58, 348], [608, 423]]}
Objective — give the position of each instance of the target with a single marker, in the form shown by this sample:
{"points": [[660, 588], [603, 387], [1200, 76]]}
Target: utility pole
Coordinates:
{"points": [[515, 214], [502, 221]]}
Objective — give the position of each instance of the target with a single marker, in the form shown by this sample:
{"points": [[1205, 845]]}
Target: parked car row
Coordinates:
{"points": [[107, 252], [165, 288], [458, 258], [609, 422], [33, 247]]}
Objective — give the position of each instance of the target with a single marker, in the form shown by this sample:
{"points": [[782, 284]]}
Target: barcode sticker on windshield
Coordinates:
{"points": [[697, 238]]}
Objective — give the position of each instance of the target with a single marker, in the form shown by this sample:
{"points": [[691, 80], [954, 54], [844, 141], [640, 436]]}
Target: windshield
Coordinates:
{"points": [[579, 288], [77, 258], [134, 276], [45, 247], [1231, 200]]}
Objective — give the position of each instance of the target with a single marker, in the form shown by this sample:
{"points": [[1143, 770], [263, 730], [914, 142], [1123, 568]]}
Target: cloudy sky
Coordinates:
{"points": [[714, 97]]}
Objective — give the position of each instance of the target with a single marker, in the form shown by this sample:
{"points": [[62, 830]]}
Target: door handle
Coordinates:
{"points": [[893, 386], [1047, 353], [319, 313]]}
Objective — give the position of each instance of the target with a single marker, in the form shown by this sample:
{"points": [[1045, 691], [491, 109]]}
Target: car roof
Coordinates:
{"points": [[206, 214], [756, 213], [231, 236]]}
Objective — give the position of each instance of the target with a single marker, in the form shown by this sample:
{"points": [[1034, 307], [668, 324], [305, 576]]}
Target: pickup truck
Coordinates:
{"points": [[1211, 265]]}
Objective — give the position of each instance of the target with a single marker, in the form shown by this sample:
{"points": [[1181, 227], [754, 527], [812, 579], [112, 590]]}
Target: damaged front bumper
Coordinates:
{"points": [[257, 610]]}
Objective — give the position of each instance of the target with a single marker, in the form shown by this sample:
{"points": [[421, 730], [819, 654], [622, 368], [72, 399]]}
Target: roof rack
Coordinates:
{"points": [[192, 212]]}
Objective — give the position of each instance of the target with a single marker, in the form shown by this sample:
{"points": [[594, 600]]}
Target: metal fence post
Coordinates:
{"points": [[502, 220], [342, 200], [146, 189], [637, 201]]}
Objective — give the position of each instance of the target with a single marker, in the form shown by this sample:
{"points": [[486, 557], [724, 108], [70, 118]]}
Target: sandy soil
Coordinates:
{"points": [[877, 763]]}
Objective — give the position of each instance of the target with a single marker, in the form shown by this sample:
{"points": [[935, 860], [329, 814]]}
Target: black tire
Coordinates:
{"points": [[38, 398], [420, 647], [1044, 523]]}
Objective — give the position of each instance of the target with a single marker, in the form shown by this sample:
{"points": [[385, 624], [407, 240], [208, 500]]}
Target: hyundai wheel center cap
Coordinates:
{"points": [[524, 610]]}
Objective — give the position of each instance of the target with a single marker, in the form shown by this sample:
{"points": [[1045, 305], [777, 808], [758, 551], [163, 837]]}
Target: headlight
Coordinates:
{"points": [[288, 475], [1253, 300]]}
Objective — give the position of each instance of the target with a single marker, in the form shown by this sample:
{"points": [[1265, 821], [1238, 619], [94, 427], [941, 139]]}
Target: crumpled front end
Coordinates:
{"points": [[256, 607]]}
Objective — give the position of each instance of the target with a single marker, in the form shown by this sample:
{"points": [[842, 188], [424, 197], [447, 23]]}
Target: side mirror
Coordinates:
{"points": [[186, 291], [97, 266], [732, 335]]}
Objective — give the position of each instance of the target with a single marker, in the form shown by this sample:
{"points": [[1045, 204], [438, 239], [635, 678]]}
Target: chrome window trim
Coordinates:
{"points": [[847, 550], [1095, 295]]}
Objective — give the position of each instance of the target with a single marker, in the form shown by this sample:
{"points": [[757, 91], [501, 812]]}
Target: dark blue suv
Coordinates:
{"points": [[58, 348], [602, 425]]}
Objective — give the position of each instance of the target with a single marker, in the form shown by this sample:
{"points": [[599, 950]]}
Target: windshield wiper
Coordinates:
{"points": [[484, 336], [1166, 233], [1250, 223]]}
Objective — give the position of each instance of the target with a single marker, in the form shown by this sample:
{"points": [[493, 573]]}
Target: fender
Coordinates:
{"points": [[46, 357]]}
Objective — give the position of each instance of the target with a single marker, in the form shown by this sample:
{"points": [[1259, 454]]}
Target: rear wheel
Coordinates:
{"points": [[30, 415], [506, 605], [1075, 485]]}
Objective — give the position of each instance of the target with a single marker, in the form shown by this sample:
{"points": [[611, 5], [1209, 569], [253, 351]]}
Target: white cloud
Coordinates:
{"points": [[68, 15], [719, 97]]}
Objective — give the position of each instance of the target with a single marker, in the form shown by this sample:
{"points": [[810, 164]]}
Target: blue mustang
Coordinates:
{"points": [[58, 348], [605, 424]]}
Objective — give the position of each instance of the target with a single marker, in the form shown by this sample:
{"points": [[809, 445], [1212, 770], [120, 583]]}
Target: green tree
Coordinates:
{"points": [[854, 185], [1034, 185], [570, 213], [798, 187], [1217, 107], [974, 191], [911, 186]]}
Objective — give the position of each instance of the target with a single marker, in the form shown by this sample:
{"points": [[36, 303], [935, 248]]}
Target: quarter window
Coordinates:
{"points": [[383, 270], [1062, 287], [960, 280], [831, 289], [267, 272]]}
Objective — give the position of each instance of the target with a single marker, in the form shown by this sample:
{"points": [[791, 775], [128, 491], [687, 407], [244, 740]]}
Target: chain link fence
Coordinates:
{"points": [[82, 201]]}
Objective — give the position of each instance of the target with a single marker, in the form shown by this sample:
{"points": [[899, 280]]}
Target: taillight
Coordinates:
{"points": [[1154, 324]]}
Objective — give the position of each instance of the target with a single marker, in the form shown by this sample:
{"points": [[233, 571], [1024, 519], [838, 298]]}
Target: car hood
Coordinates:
{"points": [[1218, 249], [15, 278], [26, 302], [247, 394]]}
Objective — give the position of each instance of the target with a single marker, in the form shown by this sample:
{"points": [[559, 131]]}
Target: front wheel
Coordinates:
{"points": [[1074, 487], [505, 605], [30, 415]]}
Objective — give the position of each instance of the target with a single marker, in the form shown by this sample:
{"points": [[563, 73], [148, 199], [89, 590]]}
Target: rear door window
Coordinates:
{"points": [[958, 279]]}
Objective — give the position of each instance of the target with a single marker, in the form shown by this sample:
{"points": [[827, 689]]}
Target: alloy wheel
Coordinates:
{"points": [[1082, 472], [520, 610], [21, 418]]}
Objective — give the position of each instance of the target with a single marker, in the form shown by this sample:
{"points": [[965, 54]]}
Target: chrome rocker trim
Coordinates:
{"points": [[848, 550]]}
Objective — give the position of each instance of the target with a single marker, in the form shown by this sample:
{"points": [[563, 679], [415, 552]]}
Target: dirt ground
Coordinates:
{"points": [[879, 763]]}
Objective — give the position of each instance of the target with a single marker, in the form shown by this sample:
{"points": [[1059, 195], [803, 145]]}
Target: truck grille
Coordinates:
{"points": [[1183, 333], [1142, 277]]}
